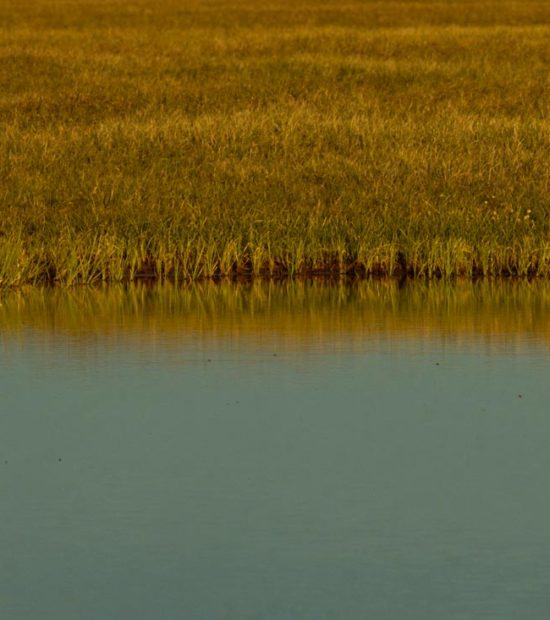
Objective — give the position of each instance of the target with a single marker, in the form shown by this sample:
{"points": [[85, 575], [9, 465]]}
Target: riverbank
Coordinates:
{"points": [[255, 139]]}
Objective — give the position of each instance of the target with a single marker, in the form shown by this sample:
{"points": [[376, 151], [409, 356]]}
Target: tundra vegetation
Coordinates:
{"points": [[184, 139]]}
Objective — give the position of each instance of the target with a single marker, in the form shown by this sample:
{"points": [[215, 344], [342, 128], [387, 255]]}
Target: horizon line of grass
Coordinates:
{"points": [[99, 259]]}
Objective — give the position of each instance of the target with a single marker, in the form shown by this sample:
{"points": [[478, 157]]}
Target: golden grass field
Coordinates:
{"points": [[184, 139]]}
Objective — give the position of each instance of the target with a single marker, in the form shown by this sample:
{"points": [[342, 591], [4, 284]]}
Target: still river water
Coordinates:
{"points": [[276, 451]]}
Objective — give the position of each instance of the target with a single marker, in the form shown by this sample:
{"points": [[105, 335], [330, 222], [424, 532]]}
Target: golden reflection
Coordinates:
{"points": [[293, 311]]}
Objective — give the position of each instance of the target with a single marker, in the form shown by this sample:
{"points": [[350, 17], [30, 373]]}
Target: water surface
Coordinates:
{"points": [[275, 451]]}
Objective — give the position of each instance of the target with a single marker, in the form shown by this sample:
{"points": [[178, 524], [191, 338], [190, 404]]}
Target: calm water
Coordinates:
{"points": [[300, 451]]}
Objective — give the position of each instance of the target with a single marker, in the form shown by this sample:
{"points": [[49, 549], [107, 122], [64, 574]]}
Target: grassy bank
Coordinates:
{"points": [[210, 138]]}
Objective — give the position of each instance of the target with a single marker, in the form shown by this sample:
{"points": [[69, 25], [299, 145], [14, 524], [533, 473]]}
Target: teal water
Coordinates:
{"points": [[291, 470]]}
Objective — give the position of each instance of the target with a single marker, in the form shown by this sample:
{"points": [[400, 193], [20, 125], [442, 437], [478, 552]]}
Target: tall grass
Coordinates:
{"points": [[208, 139]]}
